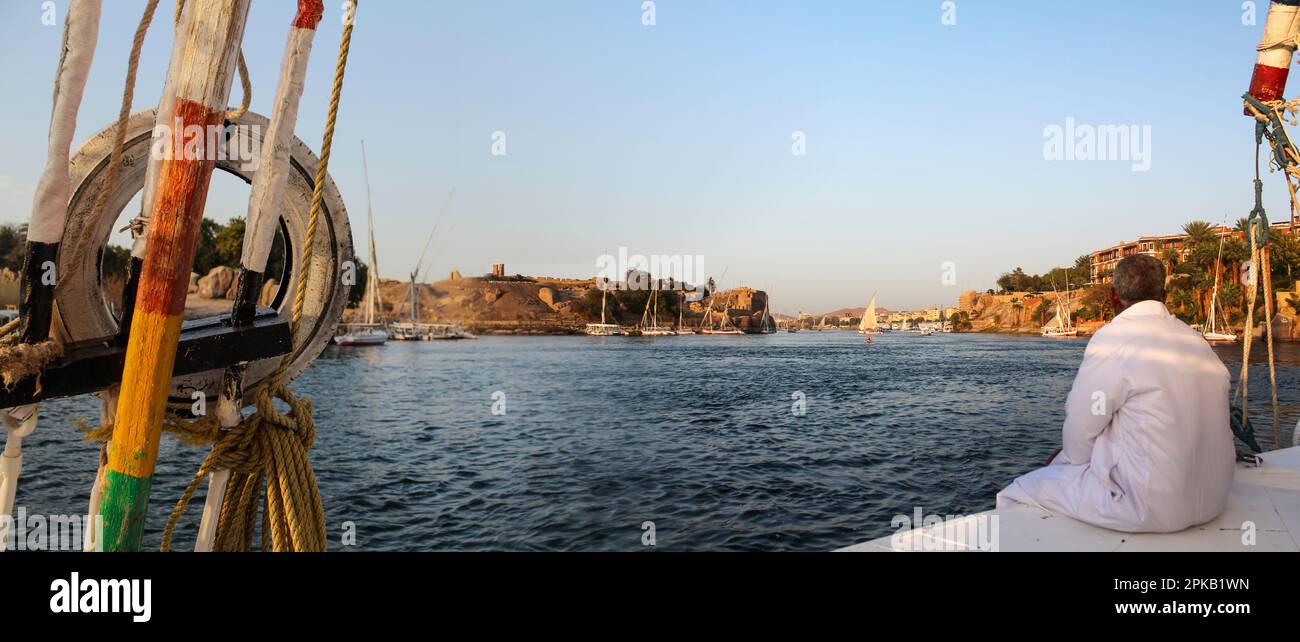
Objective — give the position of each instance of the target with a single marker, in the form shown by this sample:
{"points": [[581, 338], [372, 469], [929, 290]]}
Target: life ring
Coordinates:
{"points": [[82, 310]]}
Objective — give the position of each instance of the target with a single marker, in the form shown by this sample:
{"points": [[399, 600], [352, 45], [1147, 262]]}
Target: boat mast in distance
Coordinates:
{"points": [[370, 333]]}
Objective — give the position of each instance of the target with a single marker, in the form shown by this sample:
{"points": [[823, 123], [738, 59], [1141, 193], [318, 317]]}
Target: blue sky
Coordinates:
{"points": [[924, 141]]}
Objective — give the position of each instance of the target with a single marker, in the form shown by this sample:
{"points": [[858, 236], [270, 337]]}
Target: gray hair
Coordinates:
{"points": [[1140, 277]]}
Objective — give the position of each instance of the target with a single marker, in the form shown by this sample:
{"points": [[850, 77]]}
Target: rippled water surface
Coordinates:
{"points": [[696, 434]]}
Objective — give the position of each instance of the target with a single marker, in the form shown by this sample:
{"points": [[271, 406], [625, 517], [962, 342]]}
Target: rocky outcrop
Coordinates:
{"points": [[269, 290], [541, 300], [218, 284], [547, 296], [1019, 312]]}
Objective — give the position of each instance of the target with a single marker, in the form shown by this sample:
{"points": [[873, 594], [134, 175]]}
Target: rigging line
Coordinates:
{"points": [[420, 265]]}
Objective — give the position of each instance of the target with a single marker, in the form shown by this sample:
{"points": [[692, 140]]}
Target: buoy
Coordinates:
{"points": [[1276, 47]]}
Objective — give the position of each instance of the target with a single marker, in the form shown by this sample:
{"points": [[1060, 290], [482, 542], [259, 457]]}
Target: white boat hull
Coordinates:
{"points": [[604, 330], [1060, 334], [1219, 337], [367, 339]]}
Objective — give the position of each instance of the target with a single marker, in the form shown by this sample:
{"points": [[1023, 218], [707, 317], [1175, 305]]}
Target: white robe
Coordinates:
{"points": [[1147, 447]]}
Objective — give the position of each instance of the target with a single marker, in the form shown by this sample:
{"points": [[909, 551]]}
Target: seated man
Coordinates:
{"points": [[1147, 447]]}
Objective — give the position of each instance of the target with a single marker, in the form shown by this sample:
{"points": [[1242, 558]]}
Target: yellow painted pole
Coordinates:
{"points": [[200, 76]]}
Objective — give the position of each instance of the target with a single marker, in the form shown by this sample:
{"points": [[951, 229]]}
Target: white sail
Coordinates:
{"points": [[869, 317]]}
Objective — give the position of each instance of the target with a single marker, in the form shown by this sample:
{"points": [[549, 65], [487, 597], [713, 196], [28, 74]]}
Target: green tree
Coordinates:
{"points": [[228, 243], [1199, 232], [13, 244], [205, 255], [358, 292]]}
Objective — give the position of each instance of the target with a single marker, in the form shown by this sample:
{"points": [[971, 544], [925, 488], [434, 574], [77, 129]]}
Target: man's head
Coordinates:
{"points": [[1138, 278]]}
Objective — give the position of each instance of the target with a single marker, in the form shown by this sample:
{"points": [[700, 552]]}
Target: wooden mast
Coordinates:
{"points": [[199, 78], [273, 167]]}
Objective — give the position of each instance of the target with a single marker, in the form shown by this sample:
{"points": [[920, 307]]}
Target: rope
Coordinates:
{"points": [[1269, 125], [124, 113], [19, 361]]}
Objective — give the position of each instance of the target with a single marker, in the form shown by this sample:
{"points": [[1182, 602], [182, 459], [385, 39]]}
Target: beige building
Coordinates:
{"points": [[1103, 261]]}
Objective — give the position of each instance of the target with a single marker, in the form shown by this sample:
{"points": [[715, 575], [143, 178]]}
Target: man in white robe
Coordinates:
{"points": [[1146, 442]]}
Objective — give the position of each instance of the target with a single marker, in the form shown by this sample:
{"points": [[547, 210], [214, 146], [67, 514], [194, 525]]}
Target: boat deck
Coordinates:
{"points": [[1267, 495]]}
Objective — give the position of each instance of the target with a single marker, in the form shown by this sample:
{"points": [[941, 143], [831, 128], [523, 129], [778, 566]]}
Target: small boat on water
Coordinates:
{"points": [[604, 328], [1064, 325], [869, 326], [1211, 329], [721, 328], [650, 318], [374, 332], [768, 324], [724, 326], [356, 335], [448, 332]]}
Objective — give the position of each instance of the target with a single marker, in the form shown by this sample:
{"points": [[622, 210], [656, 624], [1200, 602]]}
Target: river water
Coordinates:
{"points": [[807, 441]]}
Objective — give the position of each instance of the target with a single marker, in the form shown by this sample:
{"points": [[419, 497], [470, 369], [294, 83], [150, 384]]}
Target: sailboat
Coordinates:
{"points": [[1211, 332], [412, 329], [768, 324], [725, 327], [604, 328], [652, 328], [868, 325], [372, 332], [1064, 325]]}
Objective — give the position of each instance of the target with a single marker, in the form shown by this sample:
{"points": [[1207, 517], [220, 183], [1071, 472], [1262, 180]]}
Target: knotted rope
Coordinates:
{"points": [[19, 361], [1257, 231]]}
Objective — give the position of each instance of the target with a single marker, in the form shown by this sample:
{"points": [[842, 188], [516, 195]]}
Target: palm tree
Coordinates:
{"points": [[1169, 256], [1198, 232]]}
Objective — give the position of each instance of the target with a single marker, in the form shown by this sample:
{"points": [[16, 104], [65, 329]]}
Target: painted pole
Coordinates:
{"points": [[1276, 47], [49, 212], [273, 171], [50, 206], [200, 76]]}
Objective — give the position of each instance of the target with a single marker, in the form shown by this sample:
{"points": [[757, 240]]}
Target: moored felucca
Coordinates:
{"points": [[650, 317], [1062, 326], [374, 330], [604, 328], [1211, 330], [412, 329]]}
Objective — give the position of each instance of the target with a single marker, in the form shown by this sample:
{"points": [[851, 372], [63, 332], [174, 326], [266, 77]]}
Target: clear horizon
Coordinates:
{"points": [[925, 142]]}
